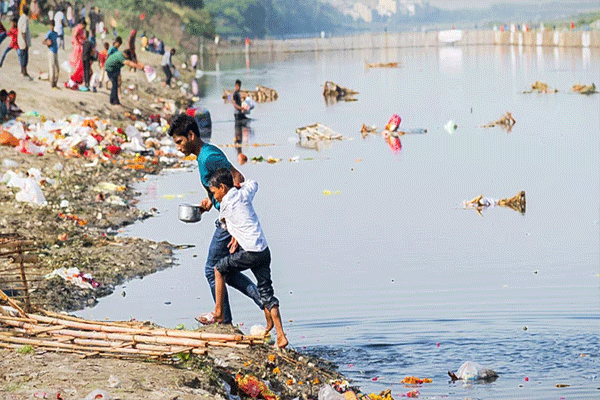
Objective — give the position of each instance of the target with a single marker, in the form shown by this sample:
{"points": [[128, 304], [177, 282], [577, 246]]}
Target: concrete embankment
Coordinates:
{"points": [[414, 39]]}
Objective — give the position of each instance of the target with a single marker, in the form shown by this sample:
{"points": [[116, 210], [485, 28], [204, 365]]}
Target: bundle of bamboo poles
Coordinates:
{"points": [[62, 333]]}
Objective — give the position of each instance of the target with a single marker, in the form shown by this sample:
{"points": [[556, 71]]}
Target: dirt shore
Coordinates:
{"points": [[77, 227]]}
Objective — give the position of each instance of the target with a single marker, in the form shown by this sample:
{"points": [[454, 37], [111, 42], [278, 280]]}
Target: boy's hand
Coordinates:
{"points": [[233, 245]]}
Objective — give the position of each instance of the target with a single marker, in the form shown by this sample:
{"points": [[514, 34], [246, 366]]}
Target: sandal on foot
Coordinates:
{"points": [[206, 318]]}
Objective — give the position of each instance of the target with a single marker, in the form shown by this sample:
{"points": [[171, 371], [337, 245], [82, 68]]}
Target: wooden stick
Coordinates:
{"points": [[14, 305]]}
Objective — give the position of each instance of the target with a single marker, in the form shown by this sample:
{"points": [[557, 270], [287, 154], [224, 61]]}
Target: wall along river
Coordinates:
{"points": [[376, 264]]}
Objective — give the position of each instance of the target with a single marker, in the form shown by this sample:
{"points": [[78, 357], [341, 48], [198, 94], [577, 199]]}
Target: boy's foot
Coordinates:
{"points": [[282, 342], [269, 319]]}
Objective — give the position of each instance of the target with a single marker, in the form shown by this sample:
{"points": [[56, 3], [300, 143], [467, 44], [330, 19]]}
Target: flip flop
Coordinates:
{"points": [[206, 318]]}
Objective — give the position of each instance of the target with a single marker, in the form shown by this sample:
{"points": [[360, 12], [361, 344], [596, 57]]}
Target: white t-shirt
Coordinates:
{"points": [[241, 219], [58, 19]]}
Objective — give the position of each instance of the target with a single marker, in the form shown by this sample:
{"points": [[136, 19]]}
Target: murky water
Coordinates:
{"points": [[388, 276]]}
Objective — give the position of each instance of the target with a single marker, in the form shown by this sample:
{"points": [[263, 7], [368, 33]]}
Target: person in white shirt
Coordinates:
{"points": [[24, 41], [249, 250], [59, 24]]}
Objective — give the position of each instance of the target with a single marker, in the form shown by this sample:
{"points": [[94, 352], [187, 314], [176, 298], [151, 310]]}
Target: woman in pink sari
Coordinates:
{"points": [[77, 39]]}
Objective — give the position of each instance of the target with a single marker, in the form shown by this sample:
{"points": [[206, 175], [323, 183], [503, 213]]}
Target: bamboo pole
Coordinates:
{"points": [[14, 305], [67, 346]]}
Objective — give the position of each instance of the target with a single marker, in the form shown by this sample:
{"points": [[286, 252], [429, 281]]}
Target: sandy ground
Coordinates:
{"points": [[37, 95]]}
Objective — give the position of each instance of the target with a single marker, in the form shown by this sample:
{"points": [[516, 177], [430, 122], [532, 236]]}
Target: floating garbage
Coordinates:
{"points": [[332, 92], [450, 127], [471, 371], [540, 87], [506, 122], [261, 94], [381, 65], [479, 203], [584, 89]]}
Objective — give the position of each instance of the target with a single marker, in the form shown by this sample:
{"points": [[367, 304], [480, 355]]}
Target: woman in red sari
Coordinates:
{"points": [[77, 39]]}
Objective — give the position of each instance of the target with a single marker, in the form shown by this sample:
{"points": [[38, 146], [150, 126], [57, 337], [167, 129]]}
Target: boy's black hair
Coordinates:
{"points": [[119, 40], [222, 176], [106, 45], [127, 54], [238, 82], [12, 92], [182, 124], [3, 95]]}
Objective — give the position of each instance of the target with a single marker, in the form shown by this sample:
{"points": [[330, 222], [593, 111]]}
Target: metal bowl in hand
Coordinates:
{"points": [[189, 212]]}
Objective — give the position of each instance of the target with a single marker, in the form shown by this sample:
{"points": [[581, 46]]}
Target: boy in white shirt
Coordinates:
{"points": [[238, 214]]}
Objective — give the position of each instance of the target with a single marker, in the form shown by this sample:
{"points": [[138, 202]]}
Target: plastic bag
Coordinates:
{"points": [[472, 371], [31, 192], [393, 123], [329, 393]]}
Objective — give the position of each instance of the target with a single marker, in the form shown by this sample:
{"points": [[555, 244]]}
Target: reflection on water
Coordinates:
{"points": [[450, 59], [375, 260]]}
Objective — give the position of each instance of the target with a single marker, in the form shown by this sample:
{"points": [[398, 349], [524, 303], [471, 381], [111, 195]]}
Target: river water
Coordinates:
{"points": [[376, 264]]}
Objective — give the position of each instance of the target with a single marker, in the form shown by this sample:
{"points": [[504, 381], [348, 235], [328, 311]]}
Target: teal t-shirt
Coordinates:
{"points": [[210, 159], [114, 62]]}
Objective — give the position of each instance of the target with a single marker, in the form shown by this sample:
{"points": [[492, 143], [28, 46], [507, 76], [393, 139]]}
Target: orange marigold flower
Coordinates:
{"points": [[272, 357], [276, 370]]}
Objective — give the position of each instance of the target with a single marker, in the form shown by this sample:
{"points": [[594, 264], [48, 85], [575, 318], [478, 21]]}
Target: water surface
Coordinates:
{"points": [[388, 276]]}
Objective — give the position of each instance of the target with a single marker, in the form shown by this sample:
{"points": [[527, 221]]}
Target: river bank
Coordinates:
{"points": [[89, 195]]}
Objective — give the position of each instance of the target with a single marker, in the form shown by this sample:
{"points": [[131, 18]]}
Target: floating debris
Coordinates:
{"points": [[471, 371], [540, 87], [479, 203], [334, 93], [262, 94], [506, 122], [584, 89], [381, 65]]}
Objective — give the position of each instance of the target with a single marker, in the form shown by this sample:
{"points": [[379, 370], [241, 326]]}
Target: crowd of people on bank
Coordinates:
{"points": [[89, 45]]}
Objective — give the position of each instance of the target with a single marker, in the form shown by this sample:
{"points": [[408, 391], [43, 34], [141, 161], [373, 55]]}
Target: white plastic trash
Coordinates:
{"points": [[450, 127], [329, 393], [8, 163], [31, 193]]}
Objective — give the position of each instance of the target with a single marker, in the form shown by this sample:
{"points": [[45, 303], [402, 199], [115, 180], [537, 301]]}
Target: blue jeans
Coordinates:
{"points": [[114, 85], [2, 37], [4, 55], [217, 250], [23, 57]]}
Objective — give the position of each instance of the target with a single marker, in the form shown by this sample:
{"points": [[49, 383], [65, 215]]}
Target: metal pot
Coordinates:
{"points": [[189, 212]]}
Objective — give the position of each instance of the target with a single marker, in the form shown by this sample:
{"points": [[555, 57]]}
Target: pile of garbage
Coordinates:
{"points": [[78, 136]]}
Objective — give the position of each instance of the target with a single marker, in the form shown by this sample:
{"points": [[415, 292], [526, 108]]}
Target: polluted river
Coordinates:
{"points": [[379, 264]]}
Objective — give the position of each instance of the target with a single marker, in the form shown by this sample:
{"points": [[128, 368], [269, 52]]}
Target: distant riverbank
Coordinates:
{"points": [[382, 40]]}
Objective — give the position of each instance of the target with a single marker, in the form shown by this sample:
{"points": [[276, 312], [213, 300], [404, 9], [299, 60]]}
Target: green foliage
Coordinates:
{"points": [[27, 349], [259, 18]]}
